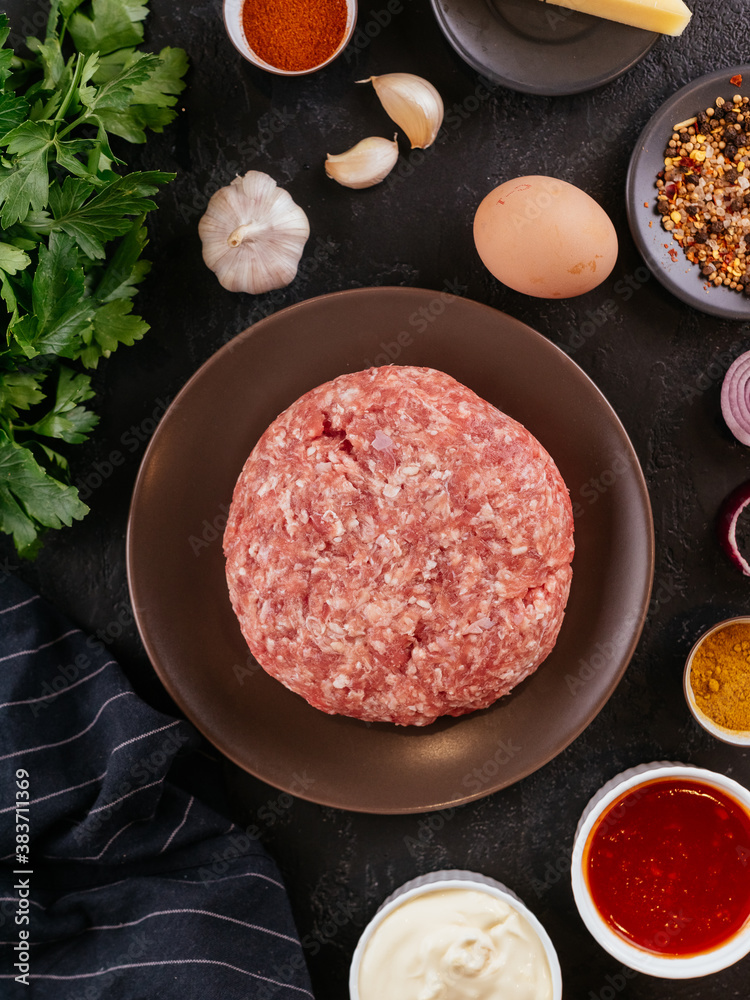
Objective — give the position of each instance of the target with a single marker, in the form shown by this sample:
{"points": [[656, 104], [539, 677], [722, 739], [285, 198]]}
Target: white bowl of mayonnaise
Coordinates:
{"points": [[454, 935]]}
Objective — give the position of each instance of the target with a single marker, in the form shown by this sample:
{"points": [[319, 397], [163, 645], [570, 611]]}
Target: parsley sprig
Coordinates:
{"points": [[72, 234]]}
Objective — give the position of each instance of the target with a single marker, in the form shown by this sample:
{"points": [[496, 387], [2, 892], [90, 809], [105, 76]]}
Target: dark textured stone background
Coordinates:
{"points": [[646, 360]]}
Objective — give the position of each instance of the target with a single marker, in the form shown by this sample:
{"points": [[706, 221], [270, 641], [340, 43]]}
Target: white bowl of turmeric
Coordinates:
{"points": [[717, 681]]}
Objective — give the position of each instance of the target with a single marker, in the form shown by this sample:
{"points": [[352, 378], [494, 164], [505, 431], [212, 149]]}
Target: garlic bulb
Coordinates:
{"points": [[413, 103], [253, 234], [365, 164]]}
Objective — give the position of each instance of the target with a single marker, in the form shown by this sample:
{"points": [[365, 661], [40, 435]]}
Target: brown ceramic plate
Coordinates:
{"points": [[176, 566]]}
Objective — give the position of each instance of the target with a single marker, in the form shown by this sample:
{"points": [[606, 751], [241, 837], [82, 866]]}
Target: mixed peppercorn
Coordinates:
{"points": [[704, 191]]}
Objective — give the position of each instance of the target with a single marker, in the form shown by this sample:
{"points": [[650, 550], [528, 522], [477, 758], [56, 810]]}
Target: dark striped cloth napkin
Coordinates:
{"points": [[118, 878]]}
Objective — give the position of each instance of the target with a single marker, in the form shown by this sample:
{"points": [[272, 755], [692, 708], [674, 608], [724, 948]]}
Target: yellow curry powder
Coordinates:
{"points": [[720, 676]]}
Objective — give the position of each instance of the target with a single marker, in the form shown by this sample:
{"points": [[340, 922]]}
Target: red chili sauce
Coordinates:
{"points": [[668, 867]]}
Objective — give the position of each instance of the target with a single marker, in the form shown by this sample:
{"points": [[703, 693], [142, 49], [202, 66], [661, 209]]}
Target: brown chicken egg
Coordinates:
{"points": [[545, 237]]}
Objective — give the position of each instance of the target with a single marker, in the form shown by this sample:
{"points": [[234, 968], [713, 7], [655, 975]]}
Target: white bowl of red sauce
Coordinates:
{"points": [[661, 870], [290, 39]]}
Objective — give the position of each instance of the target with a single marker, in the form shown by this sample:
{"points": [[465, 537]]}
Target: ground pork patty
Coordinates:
{"points": [[398, 549]]}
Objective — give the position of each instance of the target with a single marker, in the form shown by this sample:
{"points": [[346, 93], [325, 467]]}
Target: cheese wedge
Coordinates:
{"points": [[670, 17]]}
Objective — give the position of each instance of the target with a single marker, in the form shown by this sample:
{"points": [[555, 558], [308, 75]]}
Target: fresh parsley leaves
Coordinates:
{"points": [[72, 234]]}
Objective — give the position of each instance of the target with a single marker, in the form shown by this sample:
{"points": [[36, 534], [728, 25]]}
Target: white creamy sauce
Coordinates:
{"points": [[455, 944]]}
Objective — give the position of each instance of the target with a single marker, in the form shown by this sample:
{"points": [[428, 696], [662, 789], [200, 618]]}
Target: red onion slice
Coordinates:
{"points": [[735, 398], [729, 515]]}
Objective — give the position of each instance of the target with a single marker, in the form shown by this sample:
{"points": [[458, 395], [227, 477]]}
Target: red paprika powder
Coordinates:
{"points": [[294, 35]]}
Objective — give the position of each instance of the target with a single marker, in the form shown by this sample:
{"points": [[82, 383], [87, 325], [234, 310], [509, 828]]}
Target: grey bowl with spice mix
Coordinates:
{"points": [[716, 680], [663, 253], [342, 21]]}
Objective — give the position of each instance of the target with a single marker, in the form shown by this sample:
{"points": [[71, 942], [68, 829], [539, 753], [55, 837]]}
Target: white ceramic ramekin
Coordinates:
{"points": [[453, 879], [233, 24], [661, 966], [737, 738]]}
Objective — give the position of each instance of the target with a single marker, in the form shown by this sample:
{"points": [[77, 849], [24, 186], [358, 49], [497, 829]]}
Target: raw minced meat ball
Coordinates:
{"points": [[398, 549]]}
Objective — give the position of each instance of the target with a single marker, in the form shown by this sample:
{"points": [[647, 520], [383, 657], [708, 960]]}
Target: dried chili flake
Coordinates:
{"points": [[736, 80]]}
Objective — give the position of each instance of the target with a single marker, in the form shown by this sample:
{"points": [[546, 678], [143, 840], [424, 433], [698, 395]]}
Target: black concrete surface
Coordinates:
{"points": [[658, 362]]}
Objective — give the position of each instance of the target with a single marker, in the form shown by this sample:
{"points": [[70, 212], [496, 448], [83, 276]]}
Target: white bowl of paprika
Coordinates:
{"points": [[717, 681], [291, 37]]}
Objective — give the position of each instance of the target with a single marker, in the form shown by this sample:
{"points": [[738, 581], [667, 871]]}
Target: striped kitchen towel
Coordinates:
{"points": [[119, 879]]}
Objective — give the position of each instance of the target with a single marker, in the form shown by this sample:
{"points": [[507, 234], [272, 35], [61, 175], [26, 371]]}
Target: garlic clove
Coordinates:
{"points": [[253, 234], [413, 103], [365, 164]]}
